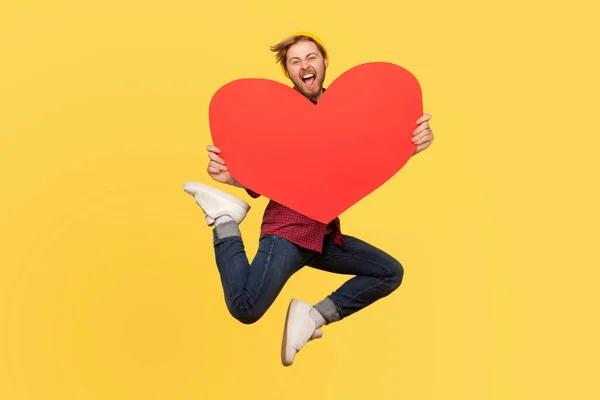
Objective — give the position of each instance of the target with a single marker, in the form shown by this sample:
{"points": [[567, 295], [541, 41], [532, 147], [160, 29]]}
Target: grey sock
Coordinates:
{"points": [[329, 310], [226, 227], [317, 317]]}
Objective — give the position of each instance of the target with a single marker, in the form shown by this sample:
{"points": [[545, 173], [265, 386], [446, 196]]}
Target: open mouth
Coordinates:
{"points": [[309, 80]]}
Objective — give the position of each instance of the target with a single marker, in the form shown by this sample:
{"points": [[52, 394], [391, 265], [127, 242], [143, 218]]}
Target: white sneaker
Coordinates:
{"points": [[299, 329], [216, 203]]}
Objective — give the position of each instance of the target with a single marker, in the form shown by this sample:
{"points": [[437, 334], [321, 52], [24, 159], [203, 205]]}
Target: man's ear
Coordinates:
{"points": [[325, 63]]}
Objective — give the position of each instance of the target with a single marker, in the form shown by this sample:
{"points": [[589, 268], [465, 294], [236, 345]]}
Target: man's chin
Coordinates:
{"points": [[311, 94]]}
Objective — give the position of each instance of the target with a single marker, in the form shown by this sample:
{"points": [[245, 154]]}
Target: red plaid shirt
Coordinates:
{"points": [[297, 228]]}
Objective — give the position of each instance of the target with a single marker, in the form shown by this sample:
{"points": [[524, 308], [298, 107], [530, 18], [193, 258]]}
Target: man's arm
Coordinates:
{"points": [[252, 194], [219, 172], [234, 182]]}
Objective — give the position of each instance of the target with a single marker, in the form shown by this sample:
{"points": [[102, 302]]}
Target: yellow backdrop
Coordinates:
{"points": [[108, 288]]}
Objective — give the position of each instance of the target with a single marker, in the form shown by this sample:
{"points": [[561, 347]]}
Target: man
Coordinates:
{"points": [[289, 241]]}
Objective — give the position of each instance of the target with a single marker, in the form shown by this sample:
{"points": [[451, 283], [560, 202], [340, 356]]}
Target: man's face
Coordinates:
{"points": [[306, 68]]}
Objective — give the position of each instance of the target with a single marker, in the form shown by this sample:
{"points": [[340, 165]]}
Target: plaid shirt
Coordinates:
{"points": [[297, 228]]}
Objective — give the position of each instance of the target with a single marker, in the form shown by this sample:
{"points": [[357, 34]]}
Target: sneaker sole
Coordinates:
{"points": [[200, 187], [284, 342]]}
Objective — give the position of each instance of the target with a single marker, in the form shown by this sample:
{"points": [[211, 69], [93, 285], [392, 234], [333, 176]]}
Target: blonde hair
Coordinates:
{"points": [[280, 49]]}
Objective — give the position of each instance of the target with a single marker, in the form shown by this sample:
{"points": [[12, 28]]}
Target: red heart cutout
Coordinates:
{"points": [[321, 159]]}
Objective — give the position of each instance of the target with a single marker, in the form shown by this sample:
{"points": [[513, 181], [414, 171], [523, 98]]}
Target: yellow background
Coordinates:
{"points": [[108, 288]]}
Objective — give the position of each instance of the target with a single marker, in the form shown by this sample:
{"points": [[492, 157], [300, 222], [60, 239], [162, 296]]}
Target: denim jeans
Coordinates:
{"points": [[251, 288]]}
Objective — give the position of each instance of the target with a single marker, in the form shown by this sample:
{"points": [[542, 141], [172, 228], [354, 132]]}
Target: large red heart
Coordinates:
{"points": [[318, 160]]}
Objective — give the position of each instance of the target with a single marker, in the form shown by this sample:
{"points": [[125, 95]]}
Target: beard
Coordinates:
{"points": [[315, 90]]}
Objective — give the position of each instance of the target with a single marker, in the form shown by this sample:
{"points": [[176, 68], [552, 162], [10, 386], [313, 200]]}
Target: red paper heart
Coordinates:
{"points": [[318, 160]]}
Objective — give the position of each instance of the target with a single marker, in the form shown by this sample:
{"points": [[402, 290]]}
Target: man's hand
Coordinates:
{"points": [[217, 168], [423, 135]]}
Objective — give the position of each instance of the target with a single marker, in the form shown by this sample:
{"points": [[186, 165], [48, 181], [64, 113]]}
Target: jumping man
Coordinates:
{"points": [[288, 240]]}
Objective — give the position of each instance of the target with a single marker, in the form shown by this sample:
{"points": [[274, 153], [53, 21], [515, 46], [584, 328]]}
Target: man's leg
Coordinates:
{"points": [[249, 290], [377, 275]]}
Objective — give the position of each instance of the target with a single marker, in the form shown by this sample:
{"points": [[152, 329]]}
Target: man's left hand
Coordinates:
{"points": [[423, 135]]}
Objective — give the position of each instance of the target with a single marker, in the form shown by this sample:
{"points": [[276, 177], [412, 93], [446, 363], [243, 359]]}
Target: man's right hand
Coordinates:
{"points": [[217, 168]]}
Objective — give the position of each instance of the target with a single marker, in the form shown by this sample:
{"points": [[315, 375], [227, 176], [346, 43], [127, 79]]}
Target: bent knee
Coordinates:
{"points": [[396, 274], [246, 318], [244, 312]]}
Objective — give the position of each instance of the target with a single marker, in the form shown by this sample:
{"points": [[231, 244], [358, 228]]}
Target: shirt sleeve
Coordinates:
{"points": [[252, 194]]}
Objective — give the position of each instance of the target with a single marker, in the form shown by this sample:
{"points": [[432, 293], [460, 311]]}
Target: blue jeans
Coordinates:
{"points": [[250, 289]]}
